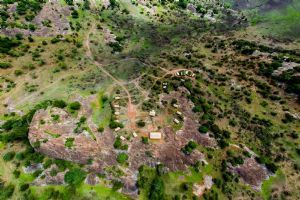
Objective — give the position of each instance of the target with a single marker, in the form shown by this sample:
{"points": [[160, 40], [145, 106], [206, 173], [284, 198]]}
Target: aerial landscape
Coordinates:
{"points": [[150, 99]]}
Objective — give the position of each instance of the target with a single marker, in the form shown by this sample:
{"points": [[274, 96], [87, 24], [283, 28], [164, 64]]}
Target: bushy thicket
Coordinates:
{"points": [[17, 128]]}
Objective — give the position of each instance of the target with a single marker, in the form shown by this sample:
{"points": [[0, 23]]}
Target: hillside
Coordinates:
{"points": [[160, 99]]}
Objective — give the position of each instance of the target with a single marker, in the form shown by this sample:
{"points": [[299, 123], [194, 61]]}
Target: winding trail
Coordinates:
{"points": [[131, 110]]}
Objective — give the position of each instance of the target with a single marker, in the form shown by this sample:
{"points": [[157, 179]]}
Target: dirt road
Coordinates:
{"points": [[131, 110]]}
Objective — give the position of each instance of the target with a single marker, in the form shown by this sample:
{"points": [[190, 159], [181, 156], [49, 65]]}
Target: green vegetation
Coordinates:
{"points": [[189, 147], [118, 144], [280, 22], [232, 85], [9, 156], [69, 143], [74, 105], [122, 158], [75, 177]]}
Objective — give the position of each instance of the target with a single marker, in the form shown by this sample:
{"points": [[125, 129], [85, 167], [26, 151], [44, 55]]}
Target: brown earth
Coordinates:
{"points": [[191, 123], [90, 144], [52, 11], [52, 137], [252, 172]]}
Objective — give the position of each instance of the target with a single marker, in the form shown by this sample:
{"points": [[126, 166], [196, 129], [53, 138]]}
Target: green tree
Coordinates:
{"points": [[75, 176], [157, 189], [122, 158], [75, 105]]}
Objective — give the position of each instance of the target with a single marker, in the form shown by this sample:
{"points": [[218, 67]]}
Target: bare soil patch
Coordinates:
{"points": [[252, 172]]}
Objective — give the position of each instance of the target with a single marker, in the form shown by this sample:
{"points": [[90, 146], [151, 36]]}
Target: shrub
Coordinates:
{"points": [[24, 187], [189, 147], [272, 167], [237, 161], [145, 140], [7, 192], [156, 189], [117, 185], [55, 117], [182, 4], [69, 142], [122, 158], [141, 123], [69, 2], [75, 176], [18, 72], [288, 118], [55, 40], [118, 143], [4, 65], [9, 156], [59, 103], [75, 105], [114, 124], [75, 14], [16, 173], [36, 144], [7, 44], [100, 129], [116, 46], [223, 143], [203, 129]]}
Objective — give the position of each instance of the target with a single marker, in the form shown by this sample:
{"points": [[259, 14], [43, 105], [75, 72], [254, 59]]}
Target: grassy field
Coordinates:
{"points": [[282, 22]]}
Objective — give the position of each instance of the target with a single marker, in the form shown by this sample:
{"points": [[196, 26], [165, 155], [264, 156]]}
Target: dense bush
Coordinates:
{"points": [[75, 14], [6, 44], [118, 144], [122, 158], [203, 129], [69, 2], [116, 46], [117, 185], [189, 147], [17, 128], [4, 65], [113, 124], [75, 105], [9, 156], [140, 123], [6, 191], [157, 189], [24, 187], [182, 4], [75, 176], [145, 140], [59, 103], [24, 6]]}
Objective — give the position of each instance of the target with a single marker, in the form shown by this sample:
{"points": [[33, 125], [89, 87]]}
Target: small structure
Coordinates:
{"points": [[155, 135], [117, 129], [117, 98], [116, 106], [134, 134], [176, 121], [175, 105], [152, 113], [117, 120], [117, 113], [122, 138], [178, 113]]}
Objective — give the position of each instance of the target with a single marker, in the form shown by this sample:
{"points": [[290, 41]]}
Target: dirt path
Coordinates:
{"points": [[131, 109], [170, 72]]}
